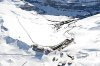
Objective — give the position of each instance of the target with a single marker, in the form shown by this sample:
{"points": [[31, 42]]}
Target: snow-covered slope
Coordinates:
{"points": [[36, 26], [87, 40], [15, 47]]}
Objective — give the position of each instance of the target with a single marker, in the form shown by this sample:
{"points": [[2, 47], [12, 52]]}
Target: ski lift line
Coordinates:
{"points": [[29, 35], [25, 30], [24, 63]]}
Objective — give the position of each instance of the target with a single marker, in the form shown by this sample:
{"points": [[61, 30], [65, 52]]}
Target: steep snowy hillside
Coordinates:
{"points": [[19, 29], [71, 8]]}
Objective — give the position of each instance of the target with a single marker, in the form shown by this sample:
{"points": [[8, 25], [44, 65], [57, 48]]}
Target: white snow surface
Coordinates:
{"points": [[85, 48], [36, 26]]}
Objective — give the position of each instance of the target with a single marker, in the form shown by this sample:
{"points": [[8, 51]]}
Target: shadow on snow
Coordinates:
{"points": [[22, 45]]}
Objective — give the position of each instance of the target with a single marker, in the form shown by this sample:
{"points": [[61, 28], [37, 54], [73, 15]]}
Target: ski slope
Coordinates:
{"points": [[26, 25], [36, 26]]}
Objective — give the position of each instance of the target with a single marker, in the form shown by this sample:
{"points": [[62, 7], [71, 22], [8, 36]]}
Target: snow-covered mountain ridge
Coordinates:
{"points": [[72, 8]]}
